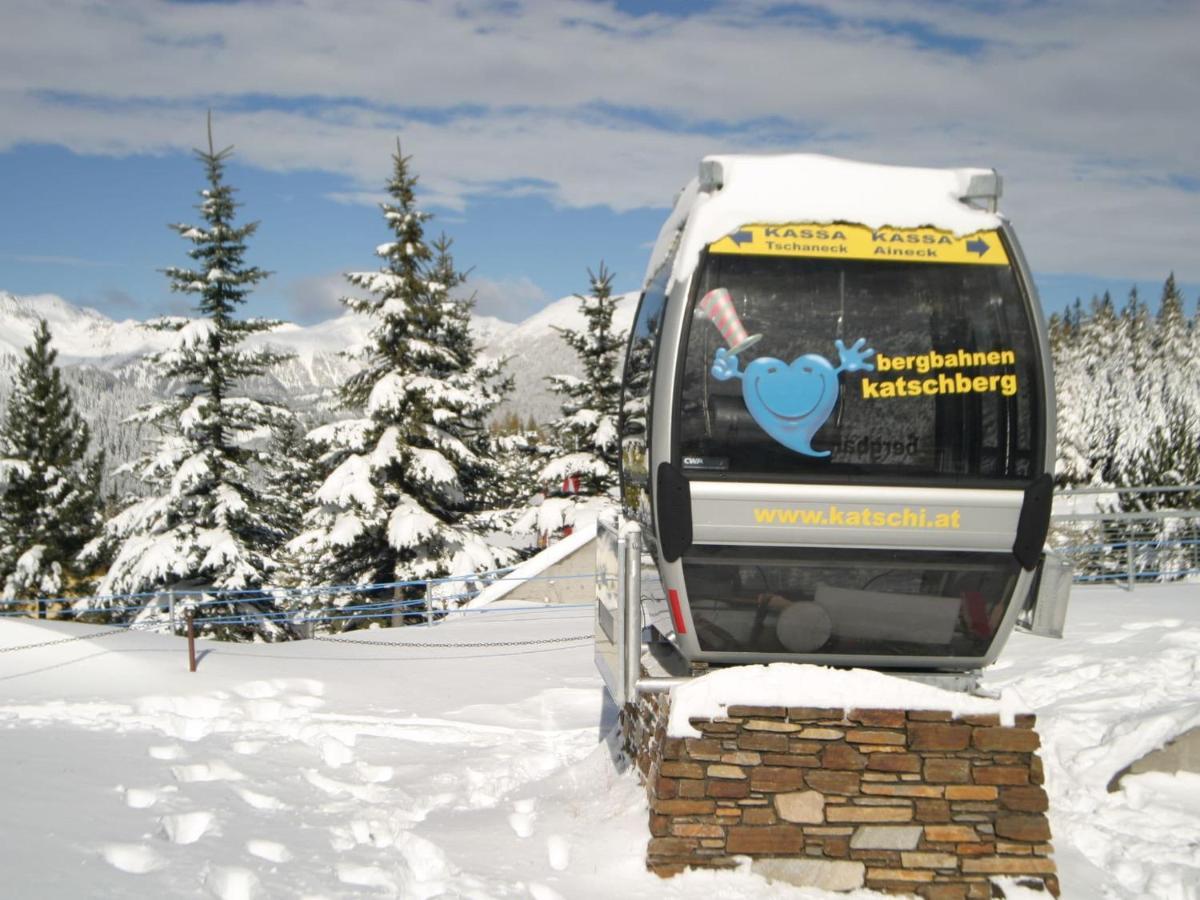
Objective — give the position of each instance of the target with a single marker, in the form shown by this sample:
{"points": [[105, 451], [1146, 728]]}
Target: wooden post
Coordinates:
{"points": [[171, 607], [191, 636], [428, 604]]}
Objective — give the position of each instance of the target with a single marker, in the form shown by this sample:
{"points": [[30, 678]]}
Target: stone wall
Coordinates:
{"points": [[903, 802]]}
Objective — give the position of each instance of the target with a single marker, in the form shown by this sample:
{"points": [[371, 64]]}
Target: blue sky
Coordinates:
{"points": [[552, 134]]}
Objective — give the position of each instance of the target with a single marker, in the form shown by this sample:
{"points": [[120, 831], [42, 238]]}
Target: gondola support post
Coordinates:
{"points": [[632, 609]]}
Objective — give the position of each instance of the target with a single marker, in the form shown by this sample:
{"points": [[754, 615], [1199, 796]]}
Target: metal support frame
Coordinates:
{"points": [[619, 607], [631, 603]]}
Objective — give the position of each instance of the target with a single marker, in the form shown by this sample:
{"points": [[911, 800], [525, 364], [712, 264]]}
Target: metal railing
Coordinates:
{"points": [[303, 610], [1128, 535]]}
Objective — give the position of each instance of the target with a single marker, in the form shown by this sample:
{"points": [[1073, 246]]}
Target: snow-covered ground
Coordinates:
{"points": [[322, 769]]}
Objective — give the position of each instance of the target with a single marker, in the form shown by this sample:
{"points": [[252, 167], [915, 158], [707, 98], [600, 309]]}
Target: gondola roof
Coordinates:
{"points": [[736, 190]]}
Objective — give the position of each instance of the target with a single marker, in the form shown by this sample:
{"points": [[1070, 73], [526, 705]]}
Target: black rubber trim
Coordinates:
{"points": [[1034, 522], [673, 505]]}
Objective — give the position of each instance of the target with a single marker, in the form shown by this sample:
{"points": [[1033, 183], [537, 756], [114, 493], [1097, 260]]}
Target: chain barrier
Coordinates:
{"points": [[409, 608], [458, 644], [81, 637], [530, 642]]}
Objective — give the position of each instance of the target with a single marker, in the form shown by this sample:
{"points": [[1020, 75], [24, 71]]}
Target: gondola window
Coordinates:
{"points": [[916, 371]]}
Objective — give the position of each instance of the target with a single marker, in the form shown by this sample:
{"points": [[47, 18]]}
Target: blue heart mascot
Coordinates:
{"points": [[789, 401]]}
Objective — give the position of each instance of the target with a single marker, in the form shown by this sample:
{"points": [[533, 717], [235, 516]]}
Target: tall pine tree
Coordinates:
{"points": [[586, 467], [49, 507], [396, 504], [205, 524]]}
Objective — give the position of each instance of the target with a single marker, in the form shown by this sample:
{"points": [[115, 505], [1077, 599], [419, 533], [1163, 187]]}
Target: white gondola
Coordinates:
{"points": [[838, 418]]}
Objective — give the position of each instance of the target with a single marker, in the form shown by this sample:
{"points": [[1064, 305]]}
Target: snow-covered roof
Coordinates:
{"points": [[733, 191], [583, 532]]}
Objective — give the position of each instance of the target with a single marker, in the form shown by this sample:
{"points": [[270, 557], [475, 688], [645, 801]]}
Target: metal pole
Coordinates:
{"points": [[632, 617], [428, 605], [171, 609], [191, 636], [1130, 562]]}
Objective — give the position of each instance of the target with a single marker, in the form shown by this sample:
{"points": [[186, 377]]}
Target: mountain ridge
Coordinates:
{"points": [[104, 360]]}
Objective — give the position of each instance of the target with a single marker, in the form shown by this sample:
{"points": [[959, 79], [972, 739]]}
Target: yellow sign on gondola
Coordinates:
{"points": [[928, 245]]}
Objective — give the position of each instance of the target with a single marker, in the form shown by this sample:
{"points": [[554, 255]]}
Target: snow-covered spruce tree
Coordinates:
{"points": [[205, 524], [585, 469], [1171, 414], [486, 380], [1137, 391], [290, 479], [1091, 358], [1173, 346], [521, 452], [49, 506], [394, 507]]}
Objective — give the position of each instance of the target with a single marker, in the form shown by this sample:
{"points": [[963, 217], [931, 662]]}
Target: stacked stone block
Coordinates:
{"points": [[913, 802]]}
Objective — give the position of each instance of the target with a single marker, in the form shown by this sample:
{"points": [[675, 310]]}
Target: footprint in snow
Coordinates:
{"points": [[144, 798], [233, 883], [558, 849], [368, 793], [366, 876], [522, 818], [186, 828], [169, 751], [260, 801], [136, 859], [268, 850], [217, 770], [374, 774], [335, 752]]}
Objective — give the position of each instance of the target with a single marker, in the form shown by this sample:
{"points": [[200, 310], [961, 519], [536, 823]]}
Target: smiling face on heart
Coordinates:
{"points": [[791, 402]]}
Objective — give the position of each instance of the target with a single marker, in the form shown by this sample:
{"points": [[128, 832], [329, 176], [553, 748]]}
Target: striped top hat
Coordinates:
{"points": [[717, 304]]}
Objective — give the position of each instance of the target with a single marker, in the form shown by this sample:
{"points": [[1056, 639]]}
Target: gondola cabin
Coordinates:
{"points": [[838, 414]]}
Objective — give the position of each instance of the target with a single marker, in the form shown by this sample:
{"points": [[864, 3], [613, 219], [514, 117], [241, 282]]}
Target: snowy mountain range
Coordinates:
{"points": [[104, 359]]}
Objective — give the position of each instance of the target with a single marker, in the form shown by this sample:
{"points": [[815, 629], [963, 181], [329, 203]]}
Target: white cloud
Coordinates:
{"points": [[316, 298], [54, 260], [1087, 108], [510, 299]]}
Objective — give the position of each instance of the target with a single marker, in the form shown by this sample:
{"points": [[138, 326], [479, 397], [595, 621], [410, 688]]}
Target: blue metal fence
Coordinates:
{"points": [[1128, 536], [298, 608]]}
